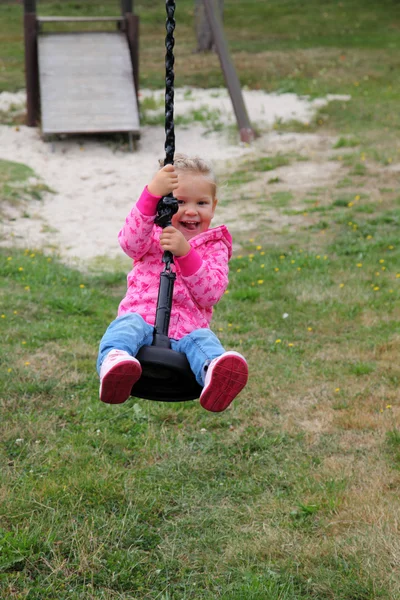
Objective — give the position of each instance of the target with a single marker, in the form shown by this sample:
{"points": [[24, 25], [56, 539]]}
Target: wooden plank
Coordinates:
{"points": [[86, 83], [78, 19]]}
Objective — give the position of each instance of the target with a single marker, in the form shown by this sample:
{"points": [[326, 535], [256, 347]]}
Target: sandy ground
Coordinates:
{"points": [[95, 183]]}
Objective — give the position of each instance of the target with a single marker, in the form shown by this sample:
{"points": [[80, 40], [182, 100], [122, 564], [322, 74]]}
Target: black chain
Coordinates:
{"points": [[168, 205], [169, 83]]}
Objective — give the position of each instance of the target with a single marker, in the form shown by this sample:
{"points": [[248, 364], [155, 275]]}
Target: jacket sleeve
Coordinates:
{"points": [[208, 283], [135, 237]]}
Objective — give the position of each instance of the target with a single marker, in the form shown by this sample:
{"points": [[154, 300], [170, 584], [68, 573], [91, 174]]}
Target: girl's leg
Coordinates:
{"points": [[200, 347], [128, 333], [117, 366], [223, 374]]}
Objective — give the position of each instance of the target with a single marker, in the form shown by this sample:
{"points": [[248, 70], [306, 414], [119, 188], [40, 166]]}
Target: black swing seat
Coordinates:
{"points": [[166, 376]]}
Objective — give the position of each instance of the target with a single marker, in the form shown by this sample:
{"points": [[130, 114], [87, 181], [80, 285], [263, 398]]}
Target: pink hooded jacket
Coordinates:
{"points": [[201, 275]]}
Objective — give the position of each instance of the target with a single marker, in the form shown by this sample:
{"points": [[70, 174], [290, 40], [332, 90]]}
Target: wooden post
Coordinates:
{"points": [[232, 81], [132, 33], [31, 63], [126, 7]]}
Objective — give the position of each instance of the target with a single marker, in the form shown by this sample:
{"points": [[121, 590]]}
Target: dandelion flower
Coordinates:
{"points": [[341, 285], [376, 288], [276, 269], [82, 285], [337, 390], [260, 281], [381, 261], [309, 328], [359, 265], [20, 268], [278, 341]]}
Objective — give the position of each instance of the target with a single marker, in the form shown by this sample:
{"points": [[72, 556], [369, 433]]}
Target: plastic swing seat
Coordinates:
{"points": [[166, 376]]}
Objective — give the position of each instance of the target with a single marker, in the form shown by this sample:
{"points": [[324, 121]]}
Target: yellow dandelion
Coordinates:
{"points": [[251, 255], [325, 257], [383, 268], [350, 223], [299, 268], [82, 285], [27, 288], [220, 328], [262, 253], [3, 316], [356, 198], [23, 343], [292, 261], [309, 328], [49, 260], [20, 268], [226, 292], [369, 237], [337, 390], [397, 275], [376, 288], [229, 324], [251, 240], [390, 247], [260, 281], [390, 291], [282, 256], [27, 363], [262, 266], [350, 204], [32, 255], [15, 312], [258, 247], [341, 285], [9, 370], [240, 256], [238, 270], [276, 269], [318, 256], [381, 261], [9, 257], [359, 265], [388, 406], [290, 344], [278, 341]]}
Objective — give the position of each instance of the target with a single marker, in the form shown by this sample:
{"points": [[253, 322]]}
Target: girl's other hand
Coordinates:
{"points": [[173, 240], [164, 182]]}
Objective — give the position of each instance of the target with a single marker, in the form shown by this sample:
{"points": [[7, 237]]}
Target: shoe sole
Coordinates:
{"points": [[117, 384], [227, 380]]}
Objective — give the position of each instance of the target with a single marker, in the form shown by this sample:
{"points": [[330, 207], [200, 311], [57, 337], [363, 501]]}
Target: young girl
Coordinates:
{"points": [[201, 262]]}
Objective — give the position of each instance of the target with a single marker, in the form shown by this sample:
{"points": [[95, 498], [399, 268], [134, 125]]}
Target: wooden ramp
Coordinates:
{"points": [[86, 83]]}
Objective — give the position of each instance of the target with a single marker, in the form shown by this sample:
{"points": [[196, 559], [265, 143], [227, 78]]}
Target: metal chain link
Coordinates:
{"points": [[169, 83]]}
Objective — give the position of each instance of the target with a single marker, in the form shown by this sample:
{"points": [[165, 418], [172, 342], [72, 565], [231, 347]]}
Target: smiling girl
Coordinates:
{"points": [[201, 256]]}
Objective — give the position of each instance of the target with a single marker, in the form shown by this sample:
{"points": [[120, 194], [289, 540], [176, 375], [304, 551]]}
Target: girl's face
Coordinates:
{"points": [[196, 204]]}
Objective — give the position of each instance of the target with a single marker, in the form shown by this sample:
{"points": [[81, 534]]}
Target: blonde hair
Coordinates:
{"points": [[197, 165]]}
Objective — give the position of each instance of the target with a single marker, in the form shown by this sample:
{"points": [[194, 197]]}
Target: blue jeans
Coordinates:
{"points": [[130, 332]]}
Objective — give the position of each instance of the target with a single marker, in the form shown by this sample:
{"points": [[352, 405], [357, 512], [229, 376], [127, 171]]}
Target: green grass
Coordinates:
{"points": [[268, 500]]}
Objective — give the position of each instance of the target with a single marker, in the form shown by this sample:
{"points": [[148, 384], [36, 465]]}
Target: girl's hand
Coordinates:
{"points": [[164, 181], [173, 240]]}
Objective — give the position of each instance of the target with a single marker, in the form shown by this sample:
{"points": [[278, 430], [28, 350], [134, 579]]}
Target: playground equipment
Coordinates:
{"points": [[87, 82], [84, 81]]}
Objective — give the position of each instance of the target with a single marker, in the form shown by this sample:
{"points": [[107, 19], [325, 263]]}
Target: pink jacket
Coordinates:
{"points": [[201, 275]]}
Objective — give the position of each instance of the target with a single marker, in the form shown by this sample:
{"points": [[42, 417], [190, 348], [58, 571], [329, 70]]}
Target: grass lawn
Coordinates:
{"points": [[293, 493]]}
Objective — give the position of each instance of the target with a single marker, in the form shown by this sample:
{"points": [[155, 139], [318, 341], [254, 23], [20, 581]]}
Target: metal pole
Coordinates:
{"points": [[31, 63], [232, 81]]}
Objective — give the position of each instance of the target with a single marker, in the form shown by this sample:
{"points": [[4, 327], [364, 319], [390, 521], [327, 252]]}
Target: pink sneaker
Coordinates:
{"points": [[226, 377], [118, 373]]}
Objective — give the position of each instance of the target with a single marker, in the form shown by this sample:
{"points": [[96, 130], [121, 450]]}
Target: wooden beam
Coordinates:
{"points": [[247, 134], [78, 19], [31, 68]]}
